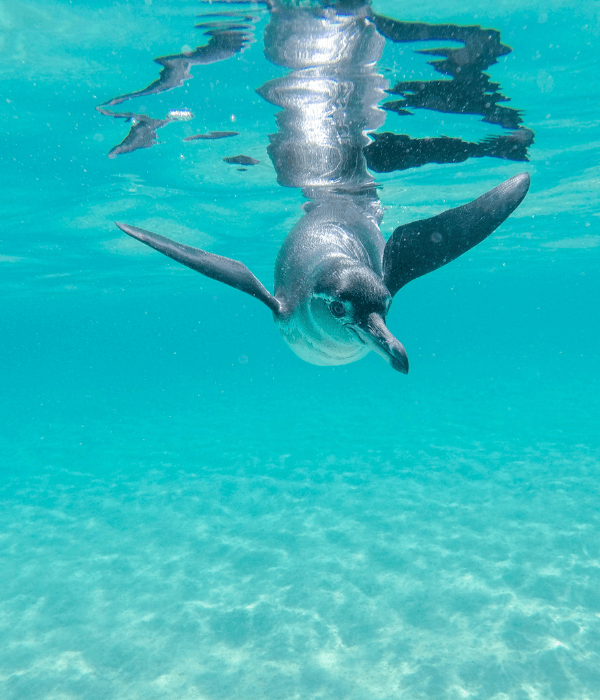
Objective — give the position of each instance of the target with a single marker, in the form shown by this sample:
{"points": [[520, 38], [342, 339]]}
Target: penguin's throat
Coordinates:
{"points": [[321, 339]]}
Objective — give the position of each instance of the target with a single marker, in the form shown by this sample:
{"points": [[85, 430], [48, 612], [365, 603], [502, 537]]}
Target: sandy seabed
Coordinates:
{"points": [[445, 575]]}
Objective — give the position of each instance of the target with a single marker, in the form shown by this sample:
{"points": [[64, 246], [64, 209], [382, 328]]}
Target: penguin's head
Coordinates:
{"points": [[350, 304]]}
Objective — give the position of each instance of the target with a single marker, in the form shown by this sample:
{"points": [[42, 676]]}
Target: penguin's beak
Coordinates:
{"points": [[374, 333]]}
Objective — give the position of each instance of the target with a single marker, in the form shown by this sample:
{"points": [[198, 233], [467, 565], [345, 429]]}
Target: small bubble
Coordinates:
{"points": [[436, 237], [243, 360], [181, 115]]}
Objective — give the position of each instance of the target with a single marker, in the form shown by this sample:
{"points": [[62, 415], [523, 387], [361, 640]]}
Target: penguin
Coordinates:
{"points": [[336, 277]]}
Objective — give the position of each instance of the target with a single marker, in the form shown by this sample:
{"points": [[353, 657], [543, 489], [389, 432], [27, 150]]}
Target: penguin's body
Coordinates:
{"points": [[335, 276]]}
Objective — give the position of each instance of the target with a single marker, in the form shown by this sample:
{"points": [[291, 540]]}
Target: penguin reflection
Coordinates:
{"points": [[329, 271], [335, 277]]}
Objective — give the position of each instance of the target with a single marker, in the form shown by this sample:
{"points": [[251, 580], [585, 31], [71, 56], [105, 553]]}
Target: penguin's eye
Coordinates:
{"points": [[337, 309]]}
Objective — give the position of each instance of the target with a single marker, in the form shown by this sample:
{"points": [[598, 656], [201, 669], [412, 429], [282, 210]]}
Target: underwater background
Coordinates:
{"points": [[190, 511]]}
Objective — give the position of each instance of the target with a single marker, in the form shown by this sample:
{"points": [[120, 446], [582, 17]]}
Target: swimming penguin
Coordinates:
{"points": [[336, 277]]}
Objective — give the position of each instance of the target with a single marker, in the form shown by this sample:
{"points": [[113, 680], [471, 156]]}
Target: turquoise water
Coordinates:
{"points": [[190, 511]]}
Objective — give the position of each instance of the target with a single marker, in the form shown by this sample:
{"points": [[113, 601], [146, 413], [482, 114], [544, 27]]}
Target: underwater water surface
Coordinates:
{"points": [[188, 510]]}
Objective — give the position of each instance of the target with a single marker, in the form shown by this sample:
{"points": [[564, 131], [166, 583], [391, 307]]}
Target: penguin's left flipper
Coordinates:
{"points": [[420, 247], [226, 270]]}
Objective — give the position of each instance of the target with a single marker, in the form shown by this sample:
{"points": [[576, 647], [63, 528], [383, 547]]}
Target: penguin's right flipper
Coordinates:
{"points": [[225, 270], [420, 247]]}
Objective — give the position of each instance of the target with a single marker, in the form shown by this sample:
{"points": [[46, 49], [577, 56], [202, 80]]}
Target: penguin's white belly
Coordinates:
{"points": [[326, 355], [320, 343]]}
